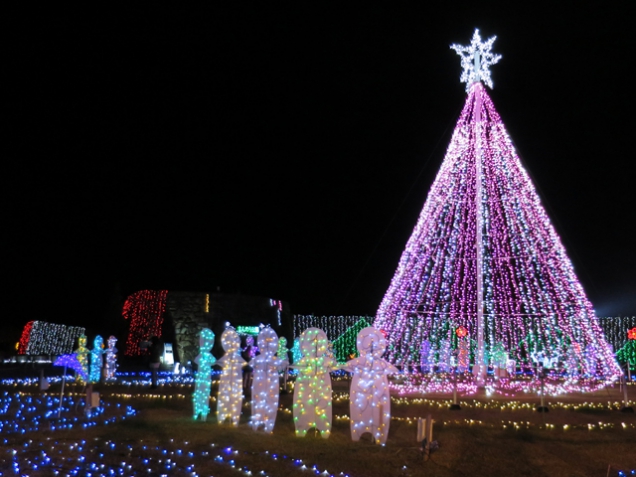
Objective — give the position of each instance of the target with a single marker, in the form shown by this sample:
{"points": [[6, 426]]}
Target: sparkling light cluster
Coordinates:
{"points": [[145, 310], [370, 402], [42, 338], [82, 353], [345, 346], [333, 326], [532, 297], [614, 329], [230, 397], [266, 381], [312, 390], [111, 359], [476, 70], [203, 379], [97, 359]]}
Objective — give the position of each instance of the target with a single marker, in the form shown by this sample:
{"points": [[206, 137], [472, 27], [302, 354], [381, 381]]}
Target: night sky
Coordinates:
{"points": [[286, 150]]}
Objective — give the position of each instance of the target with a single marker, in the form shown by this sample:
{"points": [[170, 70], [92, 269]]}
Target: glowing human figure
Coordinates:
{"points": [[97, 359], [370, 399], [425, 352], [111, 359], [203, 378], [81, 354], [312, 391], [230, 397], [266, 382]]}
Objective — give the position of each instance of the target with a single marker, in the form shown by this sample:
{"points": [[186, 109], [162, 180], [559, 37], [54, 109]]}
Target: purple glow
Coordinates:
{"points": [[70, 361], [533, 300]]}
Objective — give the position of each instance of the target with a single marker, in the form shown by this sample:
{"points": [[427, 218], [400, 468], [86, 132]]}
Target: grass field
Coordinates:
{"points": [[580, 436]]}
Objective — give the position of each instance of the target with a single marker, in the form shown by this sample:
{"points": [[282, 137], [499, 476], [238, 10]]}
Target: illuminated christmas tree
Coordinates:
{"points": [[484, 255]]}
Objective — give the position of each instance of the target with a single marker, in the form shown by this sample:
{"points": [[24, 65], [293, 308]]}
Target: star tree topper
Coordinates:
{"points": [[476, 60]]}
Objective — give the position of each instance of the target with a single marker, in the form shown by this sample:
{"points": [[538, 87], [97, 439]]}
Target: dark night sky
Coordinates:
{"points": [[286, 150]]}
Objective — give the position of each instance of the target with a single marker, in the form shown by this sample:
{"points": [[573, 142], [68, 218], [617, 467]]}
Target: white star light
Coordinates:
{"points": [[476, 60]]}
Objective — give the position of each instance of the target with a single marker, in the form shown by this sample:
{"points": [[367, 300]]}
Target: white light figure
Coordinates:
{"points": [[266, 381], [312, 391], [476, 60], [463, 354], [370, 401], [111, 359], [203, 378], [230, 398], [97, 359]]}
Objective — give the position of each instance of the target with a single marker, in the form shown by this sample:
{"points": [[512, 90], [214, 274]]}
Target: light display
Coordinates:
{"points": [[627, 354], [484, 255], [312, 390], [333, 326], [345, 345], [614, 329], [295, 351], [42, 338], [476, 60], [145, 310], [97, 360], [230, 397], [71, 361], [203, 379], [266, 381], [370, 405], [81, 353], [111, 359]]}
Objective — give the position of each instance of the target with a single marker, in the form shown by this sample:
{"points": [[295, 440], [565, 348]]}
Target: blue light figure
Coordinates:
{"points": [[203, 377], [97, 359]]}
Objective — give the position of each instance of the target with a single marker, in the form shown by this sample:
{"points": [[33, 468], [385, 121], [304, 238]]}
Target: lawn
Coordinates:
{"points": [[581, 435]]}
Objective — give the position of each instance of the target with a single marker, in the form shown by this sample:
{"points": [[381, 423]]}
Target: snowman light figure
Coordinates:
{"points": [[312, 391], [230, 396], [266, 382], [370, 403], [203, 380], [111, 359]]}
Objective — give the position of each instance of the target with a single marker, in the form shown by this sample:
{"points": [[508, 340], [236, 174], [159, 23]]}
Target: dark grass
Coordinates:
{"points": [[537, 445]]}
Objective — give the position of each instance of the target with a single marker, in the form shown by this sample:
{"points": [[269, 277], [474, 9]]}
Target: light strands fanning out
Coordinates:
{"points": [[531, 298]]}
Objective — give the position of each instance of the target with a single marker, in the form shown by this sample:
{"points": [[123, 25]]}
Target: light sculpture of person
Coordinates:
{"points": [[81, 353], [230, 398], [312, 390], [203, 377], [111, 359], [370, 398], [266, 381], [97, 359], [425, 352]]}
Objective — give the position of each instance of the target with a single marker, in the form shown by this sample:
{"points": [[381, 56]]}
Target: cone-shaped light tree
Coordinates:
{"points": [[484, 255]]}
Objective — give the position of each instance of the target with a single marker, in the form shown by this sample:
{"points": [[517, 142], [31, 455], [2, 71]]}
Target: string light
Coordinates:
{"points": [[97, 359], [370, 403], [145, 310], [203, 379], [81, 354], [230, 396], [42, 338], [532, 298], [111, 359], [312, 390], [266, 380]]}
